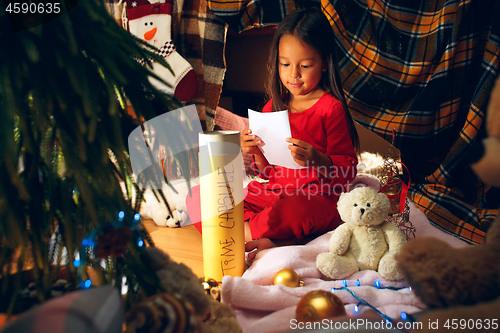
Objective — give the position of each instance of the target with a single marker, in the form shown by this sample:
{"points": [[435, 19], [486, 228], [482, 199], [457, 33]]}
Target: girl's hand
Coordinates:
{"points": [[304, 153], [250, 143]]}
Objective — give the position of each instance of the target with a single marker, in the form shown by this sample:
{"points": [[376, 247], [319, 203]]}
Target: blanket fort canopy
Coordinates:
{"points": [[421, 71]]}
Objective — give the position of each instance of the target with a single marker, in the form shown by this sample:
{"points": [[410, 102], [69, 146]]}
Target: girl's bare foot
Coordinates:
{"points": [[257, 245]]}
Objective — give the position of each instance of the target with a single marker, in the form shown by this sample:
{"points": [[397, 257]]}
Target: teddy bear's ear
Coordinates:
{"points": [[383, 198], [383, 202], [342, 196]]}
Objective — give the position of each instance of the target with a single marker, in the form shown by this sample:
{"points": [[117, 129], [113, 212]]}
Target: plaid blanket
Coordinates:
{"points": [[244, 15], [200, 40], [199, 37], [421, 72]]}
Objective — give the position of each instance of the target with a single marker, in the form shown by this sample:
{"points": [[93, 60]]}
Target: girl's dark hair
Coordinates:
{"points": [[313, 28]]}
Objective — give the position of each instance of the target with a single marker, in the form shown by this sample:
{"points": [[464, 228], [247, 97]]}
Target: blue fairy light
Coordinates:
{"points": [[76, 262], [377, 284], [87, 283], [137, 216], [404, 316], [356, 308], [87, 242], [140, 243], [358, 283], [363, 302], [344, 282], [121, 215]]}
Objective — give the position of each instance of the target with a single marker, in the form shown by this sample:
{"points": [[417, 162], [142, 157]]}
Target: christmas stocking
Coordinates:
{"points": [[151, 21]]}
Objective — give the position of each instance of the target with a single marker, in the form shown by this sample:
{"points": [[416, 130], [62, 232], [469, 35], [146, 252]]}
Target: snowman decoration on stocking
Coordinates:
{"points": [[151, 20]]}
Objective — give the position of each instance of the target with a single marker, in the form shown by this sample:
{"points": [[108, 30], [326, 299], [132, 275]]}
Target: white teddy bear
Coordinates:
{"points": [[365, 240], [159, 212]]}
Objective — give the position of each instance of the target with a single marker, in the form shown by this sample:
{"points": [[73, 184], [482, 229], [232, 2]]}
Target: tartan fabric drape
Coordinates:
{"points": [[247, 14], [199, 37], [423, 71]]}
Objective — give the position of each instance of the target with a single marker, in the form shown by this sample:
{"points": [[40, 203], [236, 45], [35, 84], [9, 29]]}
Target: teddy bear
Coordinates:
{"points": [[365, 240], [462, 285], [444, 276], [175, 214]]}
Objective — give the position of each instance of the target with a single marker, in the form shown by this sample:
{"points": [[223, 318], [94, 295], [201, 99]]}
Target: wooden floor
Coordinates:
{"points": [[181, 244]]}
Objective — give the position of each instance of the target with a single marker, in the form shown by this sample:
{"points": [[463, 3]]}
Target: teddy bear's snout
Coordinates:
{"points": [[362, 210]]}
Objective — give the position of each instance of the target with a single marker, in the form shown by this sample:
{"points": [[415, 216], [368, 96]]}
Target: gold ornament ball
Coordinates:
{"points": [[318, 305], [287, 277]]}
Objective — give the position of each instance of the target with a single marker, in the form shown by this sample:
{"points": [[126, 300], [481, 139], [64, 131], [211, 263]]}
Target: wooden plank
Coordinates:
{"points": [[183, 245]]}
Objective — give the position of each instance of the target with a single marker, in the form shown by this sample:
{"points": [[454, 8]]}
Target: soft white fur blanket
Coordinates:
{"points": [[264, 307]]}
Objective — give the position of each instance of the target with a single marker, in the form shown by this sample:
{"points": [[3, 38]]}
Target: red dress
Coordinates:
{"points": [[300, 202]]}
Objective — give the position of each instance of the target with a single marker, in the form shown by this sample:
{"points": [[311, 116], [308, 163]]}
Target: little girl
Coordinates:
{"points": [[296, 203]]}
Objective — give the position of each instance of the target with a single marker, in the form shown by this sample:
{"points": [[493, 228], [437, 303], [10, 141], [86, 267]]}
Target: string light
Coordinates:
{"points": [[377, 284], [88, 242], [85, 284], [363, 302], [91, 241]]}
